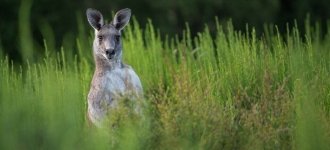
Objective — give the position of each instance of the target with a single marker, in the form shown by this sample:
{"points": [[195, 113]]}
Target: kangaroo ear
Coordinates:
{"points": [[94, 18], [121, 18]]}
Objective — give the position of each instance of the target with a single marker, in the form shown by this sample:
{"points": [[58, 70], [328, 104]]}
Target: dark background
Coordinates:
{"points": [[58, 19]]}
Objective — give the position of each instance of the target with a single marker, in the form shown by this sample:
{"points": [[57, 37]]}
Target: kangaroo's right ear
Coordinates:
{"points": [[121, 18], [95, 18]]}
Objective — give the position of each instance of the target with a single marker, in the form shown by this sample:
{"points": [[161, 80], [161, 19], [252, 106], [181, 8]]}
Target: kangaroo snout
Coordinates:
{"points": [[110, 53]]}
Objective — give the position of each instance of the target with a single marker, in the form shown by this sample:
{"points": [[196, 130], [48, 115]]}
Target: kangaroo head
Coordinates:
{"points": [[107, 41]]}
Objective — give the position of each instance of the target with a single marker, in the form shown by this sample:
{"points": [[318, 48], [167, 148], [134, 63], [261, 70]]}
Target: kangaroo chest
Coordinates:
{"points": [[108, 86], [120, 82]]}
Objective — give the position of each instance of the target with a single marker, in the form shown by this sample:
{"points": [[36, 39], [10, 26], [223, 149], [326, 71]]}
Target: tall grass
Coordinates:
{"points": [[234, 91]]}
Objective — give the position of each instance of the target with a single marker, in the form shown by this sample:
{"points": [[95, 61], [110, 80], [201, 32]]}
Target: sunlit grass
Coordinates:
{"points": [[234, 91]]}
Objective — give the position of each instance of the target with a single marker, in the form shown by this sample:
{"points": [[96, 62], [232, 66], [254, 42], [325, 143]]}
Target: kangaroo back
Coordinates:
{"points": [[112, 78]]}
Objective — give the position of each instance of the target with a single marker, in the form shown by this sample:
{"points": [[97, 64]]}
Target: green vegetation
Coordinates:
{"points": [[234, 91], [167, 15]]}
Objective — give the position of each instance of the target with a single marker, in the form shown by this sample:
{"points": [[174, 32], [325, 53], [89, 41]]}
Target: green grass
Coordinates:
{"points": [[234, 91]]}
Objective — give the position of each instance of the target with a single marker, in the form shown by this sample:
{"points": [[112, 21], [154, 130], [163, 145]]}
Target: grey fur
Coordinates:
{"points": [[112, 78]]}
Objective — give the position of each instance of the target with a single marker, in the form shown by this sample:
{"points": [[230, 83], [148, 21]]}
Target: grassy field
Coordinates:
{"points": [[236, 90]]}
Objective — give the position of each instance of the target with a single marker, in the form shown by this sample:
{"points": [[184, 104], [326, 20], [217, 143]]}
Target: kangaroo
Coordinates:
{"points": [[112, 78]]}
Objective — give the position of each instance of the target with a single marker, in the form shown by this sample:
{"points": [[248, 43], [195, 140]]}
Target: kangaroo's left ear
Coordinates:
{"points": [[95, 18], [121, 18]]}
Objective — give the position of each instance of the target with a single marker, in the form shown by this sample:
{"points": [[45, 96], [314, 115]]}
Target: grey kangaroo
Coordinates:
{"points": [[112, 79]]}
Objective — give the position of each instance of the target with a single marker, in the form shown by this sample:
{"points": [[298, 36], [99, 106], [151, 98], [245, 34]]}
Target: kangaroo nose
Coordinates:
{"points": [[110, 53]]}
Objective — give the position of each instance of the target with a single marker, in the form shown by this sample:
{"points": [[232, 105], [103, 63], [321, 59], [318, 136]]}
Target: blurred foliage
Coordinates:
{"points": [[234, 91], [56, 21]]}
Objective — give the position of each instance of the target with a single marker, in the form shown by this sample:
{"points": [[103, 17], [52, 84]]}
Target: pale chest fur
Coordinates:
{"points": [[122, 82], [108, 87]]}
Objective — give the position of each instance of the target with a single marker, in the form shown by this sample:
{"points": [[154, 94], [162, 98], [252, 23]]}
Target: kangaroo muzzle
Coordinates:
{"points": [[110, 53]]}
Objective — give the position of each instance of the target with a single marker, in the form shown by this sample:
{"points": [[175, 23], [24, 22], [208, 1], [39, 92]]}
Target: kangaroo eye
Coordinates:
{"points": [[117, 38], [100, 38]]}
